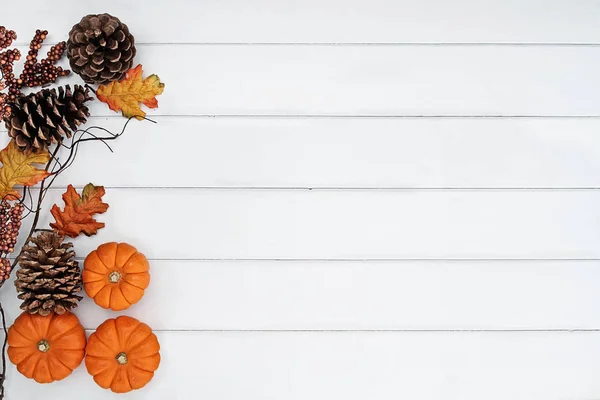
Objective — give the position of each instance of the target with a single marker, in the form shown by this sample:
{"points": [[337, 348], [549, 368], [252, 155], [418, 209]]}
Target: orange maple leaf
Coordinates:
{"points": [[126, 94], [77, 216], [17, 169]]}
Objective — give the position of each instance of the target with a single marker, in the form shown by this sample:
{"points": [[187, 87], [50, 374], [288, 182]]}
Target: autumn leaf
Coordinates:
{"points": [[17, 169], [77, 216], [125, 95]]}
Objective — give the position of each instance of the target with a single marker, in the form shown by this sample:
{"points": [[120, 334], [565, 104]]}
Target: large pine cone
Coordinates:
{"points": [[100, 48], [40, 119], [49, 277]]}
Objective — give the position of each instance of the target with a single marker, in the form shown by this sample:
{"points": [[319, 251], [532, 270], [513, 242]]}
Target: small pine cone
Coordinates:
{"points": [[100, 48], [43, 118], [49, 277]]}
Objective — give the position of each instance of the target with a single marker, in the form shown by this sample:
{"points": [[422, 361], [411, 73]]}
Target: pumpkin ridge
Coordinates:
{"points": [[104, 343], [112, 381], [140, 343], [56, 358], [90, 272], [63, 334], [90, 257], [115, 292], [25, 359], [128, 373], [99, 358], [25, 320], [102, 262], [135, 273], [126, 261], [90, 281], [50, 369], [45, 367], [95, 341], [142, 369], [142, 359], [37, 361], [124, 341], [133, 300], [15, 329], [47, 321], [111, 333]]}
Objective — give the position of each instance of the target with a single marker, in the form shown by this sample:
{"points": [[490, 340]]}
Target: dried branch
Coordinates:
{"points": [[3, 373]]}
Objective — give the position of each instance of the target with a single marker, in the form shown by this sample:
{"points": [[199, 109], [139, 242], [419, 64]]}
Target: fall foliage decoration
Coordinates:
{"points": [[41, 119], [115, 275], [34, 73], [122, 354], [45, 130], [126, 95], [77, 218], [18, 169], [100, 48], [46, 349], [48, 278]]}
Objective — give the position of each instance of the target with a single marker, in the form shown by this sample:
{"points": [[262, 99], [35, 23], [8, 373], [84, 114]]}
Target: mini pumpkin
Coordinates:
{"points": [[115, 275], [46, 349], [122, 354]]}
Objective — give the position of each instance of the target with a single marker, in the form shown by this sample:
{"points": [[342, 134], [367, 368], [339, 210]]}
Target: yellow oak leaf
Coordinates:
{"points": [[77, 216], [17, 169], [127, 94]]}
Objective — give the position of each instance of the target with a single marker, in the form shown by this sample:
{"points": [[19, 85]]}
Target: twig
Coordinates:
{"points": [[3, 374]]}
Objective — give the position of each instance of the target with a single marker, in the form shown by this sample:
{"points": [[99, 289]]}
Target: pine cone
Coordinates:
{"points": [[40, 119], [100, 48], [49, 276]]}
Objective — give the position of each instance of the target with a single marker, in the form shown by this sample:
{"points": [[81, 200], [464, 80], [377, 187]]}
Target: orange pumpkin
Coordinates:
{"points": [[46, 349], [115, 275], [122, 354]]}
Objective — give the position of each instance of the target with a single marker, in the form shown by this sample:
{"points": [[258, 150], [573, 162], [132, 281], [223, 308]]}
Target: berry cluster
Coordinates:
{"points": [[6, 37], [5, 269], [10, 222], [34, 73], [44, 72]]}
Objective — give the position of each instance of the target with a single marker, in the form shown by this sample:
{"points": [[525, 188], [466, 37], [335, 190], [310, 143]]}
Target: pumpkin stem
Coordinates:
{"points": [[43, 346], [121, 358], [114, 277]]}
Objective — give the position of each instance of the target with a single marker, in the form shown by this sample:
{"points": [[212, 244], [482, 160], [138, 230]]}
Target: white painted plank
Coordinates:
{"points": [[272, 295], [329, 21], [303, 224], [372, 80], [357, 365], [346, 153]]}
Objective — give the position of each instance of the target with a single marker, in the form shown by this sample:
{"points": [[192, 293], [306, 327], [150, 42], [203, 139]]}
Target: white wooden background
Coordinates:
{"points": [[352, 199]]}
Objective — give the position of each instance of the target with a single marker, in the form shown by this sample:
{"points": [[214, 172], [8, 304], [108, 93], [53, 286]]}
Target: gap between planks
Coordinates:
{"points": [[369, 260], [342, 189], [402, 331], [345, 116], [357, 44]]}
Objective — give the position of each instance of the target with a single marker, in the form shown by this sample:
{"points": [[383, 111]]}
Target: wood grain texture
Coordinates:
{"points": [[373, 80], [344, 153], [357, 365], [333, 21], [302, 224], [388, 295], [353, 199]]}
